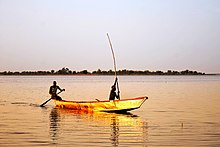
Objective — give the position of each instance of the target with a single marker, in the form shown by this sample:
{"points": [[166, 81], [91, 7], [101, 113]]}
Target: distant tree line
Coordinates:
{"points": [[67, 71]]}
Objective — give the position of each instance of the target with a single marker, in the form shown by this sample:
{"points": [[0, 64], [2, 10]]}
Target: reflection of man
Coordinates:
{"points": [[114, 131], [113, 91], [54, 125], [53, 91]]}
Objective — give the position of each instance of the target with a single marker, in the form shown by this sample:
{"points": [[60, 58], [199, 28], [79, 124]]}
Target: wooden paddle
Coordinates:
{"points": [[42, 105]]}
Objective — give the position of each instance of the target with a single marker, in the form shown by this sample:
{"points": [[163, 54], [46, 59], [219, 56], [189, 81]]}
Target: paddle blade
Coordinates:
{"points": [[42, 105]]}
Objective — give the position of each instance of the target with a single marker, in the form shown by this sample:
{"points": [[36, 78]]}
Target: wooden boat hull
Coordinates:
{"points": [[123, 105]]}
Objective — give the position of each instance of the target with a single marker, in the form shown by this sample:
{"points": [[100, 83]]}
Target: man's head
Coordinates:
{"points": [[54, 83]]}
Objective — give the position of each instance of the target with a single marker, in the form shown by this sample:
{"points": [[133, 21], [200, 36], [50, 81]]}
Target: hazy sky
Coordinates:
{"points": [[146, 34]]}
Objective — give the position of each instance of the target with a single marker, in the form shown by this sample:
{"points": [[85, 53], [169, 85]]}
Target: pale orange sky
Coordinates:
{"points": [[146, 35]]}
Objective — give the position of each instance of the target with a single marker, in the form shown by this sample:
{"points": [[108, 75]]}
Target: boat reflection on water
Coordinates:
{"points": [[97, 128]]}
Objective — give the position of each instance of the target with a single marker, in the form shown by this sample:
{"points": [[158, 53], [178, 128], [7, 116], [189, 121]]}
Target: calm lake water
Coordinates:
{"points": [[181, 111]]}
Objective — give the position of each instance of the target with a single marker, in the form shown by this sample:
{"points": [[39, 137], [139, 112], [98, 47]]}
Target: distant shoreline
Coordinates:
{"points": [[105, 75], [66, 71]]}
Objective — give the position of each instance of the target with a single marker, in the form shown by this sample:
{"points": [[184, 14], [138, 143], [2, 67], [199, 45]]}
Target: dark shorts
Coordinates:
{"points": [[57, 97]]}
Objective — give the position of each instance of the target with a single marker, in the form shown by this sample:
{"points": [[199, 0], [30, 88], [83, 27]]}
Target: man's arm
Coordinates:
{"points": [[50, 90], [60, 88]]}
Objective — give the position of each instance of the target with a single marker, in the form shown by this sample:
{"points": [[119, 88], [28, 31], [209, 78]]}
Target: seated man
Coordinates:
{"points": [[53, 91]]}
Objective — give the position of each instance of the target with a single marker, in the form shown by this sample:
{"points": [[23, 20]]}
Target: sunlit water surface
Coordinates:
{"points": [[181, 111]]}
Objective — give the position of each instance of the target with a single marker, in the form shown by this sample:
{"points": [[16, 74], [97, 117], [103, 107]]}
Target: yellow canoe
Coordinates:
{"points": [[122, 105]]}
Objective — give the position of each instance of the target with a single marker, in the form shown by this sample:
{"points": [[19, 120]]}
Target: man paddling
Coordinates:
{"points": [[53, 91], [113, 94]]}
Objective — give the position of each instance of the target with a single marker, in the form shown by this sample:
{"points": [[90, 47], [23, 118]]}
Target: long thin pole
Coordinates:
{"points": [[113, 55]]}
